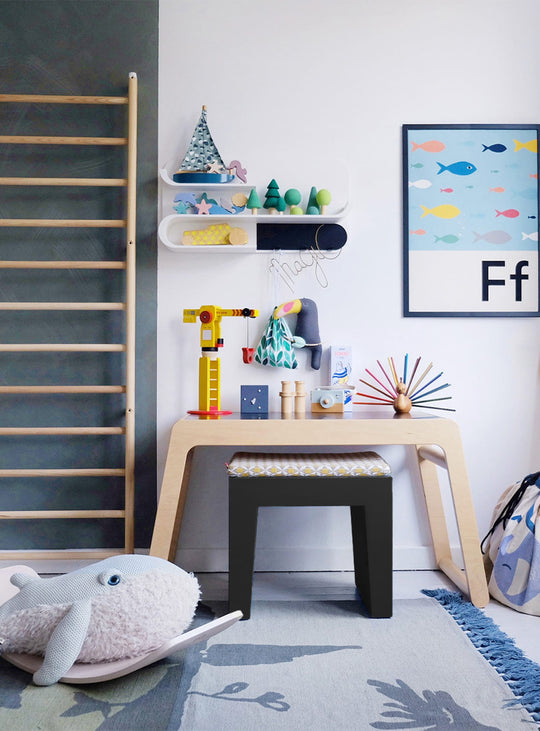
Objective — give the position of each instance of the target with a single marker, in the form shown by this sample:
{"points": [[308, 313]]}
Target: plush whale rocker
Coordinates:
{"points": [[127, 606]]}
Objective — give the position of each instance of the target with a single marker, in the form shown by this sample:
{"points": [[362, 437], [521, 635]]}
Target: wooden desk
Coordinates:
{"points": [[436, 441]]}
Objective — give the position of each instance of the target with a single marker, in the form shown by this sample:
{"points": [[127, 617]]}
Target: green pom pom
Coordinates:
{"points": [[296, 211], [313, 210]]}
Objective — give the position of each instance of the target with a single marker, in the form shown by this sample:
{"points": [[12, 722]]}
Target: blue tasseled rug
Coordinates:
{"points": [[438, 663]]}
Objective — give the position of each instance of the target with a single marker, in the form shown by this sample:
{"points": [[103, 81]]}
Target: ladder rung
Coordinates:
{"points": [[48, 140], [56, 514], [62, 348], [62, 306], [33, 264], [63, 222], [62, 389], [58, 430], [90, 182], [71, 472], [60, 554], [63, 99]]}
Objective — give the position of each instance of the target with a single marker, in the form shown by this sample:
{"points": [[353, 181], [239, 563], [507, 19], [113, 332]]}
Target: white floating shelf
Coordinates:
{"points": [[164, 175]]}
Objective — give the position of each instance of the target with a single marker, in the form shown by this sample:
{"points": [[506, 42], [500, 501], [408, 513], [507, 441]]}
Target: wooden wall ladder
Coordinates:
{"points": [[127, 186]]}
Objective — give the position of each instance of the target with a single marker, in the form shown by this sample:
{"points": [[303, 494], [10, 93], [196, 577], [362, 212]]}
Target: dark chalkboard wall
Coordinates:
{"points": [[81, 47]]}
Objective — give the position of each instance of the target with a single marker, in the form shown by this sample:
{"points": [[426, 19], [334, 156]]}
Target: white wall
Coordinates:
{"points": [[289, 87]]}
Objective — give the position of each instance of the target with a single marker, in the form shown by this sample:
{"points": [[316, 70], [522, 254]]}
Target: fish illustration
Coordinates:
{"points": [[494, 171], [447, 190], [429, 146], [497, 190], [448, 239], [457, 168], [532, 237], [444, 211], [509, 213], [531, 216], [418, 165], [493, 237], [531, 145], [494, 148], [419, 231], [422, 184], [533, 175]]}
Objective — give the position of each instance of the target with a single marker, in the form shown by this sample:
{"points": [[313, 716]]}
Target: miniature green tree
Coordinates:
{"points": [[272, 196], [292, 197], [253, 202], [313, 207], [281, 205], [323, 199]]}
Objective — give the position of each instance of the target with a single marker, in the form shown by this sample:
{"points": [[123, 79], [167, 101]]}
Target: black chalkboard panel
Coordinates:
{"points": [[299, 236]]}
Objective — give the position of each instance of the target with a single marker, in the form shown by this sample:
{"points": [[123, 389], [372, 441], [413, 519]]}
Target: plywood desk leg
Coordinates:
{"points": [[435, 509], [467, 527], [172, 499], [473, 582]]}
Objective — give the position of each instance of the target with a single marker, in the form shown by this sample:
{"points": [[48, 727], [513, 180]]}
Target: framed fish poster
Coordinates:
{"points": [[470, 220]]}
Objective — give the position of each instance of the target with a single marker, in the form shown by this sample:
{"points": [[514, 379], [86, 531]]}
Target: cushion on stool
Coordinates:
{"points": [[263, 464]]}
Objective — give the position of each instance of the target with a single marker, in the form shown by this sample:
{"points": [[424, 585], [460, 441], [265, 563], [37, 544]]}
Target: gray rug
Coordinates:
{"points": [[308, 665]]}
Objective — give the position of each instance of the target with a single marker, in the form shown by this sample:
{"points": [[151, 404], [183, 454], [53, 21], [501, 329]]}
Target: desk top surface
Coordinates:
{"points": [[355, 415]]}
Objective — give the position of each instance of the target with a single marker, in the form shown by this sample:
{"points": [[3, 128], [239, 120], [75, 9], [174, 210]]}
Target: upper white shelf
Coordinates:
{"points": [[164, 175]]}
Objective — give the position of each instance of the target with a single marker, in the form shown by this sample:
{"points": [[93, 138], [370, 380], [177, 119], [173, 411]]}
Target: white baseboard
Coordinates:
{"points": [[406, 558], [216, 560]]}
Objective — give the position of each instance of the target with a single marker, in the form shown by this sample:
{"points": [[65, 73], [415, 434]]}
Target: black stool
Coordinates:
{"points": [[361, 480]]}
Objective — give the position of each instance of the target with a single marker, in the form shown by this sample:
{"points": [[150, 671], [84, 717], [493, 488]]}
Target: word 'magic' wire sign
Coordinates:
{"points": [[470, 213]]}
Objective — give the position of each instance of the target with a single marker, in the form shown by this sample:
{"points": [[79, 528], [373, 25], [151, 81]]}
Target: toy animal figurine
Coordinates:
{"points": [[123, 607], [306, 333], [403, 394]]}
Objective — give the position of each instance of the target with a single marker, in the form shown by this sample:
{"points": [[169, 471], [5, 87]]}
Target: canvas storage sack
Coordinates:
{"points": [[276, 345], [512, 548]]}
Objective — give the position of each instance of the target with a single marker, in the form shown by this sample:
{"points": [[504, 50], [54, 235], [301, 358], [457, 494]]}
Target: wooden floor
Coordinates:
{"points": [[298, 586]]}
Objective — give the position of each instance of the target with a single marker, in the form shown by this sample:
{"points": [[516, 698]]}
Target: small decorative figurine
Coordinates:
{"points": [[323, 199], [286, 394], [202, 162], [254, 202], [272, 197], [299, 398], [313, 207], [292, 198], [403, 395]]}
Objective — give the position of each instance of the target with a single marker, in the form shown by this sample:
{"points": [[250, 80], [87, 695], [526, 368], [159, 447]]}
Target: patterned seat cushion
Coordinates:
{"points": [[263, 464]]}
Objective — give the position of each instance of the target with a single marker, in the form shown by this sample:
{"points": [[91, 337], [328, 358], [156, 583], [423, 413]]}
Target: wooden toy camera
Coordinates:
{"points": [[329, 399]]}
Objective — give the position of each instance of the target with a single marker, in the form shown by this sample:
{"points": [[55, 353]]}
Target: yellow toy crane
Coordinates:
{"points": [[209, 363]]}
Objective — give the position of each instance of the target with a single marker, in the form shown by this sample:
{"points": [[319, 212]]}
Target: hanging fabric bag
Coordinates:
{"points": [[276, 345]]}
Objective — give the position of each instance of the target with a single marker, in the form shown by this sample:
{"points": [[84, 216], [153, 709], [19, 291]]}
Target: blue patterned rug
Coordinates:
{"points": [[438, 663]]}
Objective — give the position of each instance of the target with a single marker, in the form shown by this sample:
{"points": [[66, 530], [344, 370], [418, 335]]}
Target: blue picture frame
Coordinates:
{"points": [[470, 220]]}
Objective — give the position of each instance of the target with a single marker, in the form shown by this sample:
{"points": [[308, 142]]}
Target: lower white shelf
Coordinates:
{"points": [[172, 228]]}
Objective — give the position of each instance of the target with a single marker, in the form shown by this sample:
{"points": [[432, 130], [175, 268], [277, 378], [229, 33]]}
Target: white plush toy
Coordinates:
{"points": [[123, 609]]}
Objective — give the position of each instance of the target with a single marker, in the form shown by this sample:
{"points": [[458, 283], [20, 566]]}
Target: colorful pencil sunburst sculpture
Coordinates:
{"points": [[401, 393]]}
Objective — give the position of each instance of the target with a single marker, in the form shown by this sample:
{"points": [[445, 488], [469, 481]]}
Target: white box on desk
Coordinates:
{"points": [[341, 370]]}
